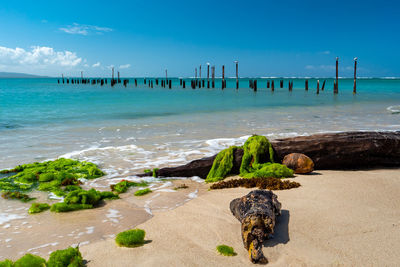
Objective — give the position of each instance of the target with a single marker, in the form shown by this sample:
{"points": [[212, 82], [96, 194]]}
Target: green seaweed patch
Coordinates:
{"points": [[81, 199], [17, 195], [6, 263], [155, 170], [38, 207], [143, 192], [64, 207], [147, 171], [261, 183], [131, 238], [70, 257], [122, 186], [222, 165], [29, 260], [49, 176], [257, 161], [226, 250], [274, 170], [256, 150]]}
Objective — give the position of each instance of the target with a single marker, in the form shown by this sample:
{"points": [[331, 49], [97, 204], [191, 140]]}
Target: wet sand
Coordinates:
{"points": [[47, 231], [335, 218]]}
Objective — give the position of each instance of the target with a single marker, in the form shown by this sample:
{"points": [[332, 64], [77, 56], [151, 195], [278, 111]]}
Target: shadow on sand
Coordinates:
{"points": [[281, 233]]}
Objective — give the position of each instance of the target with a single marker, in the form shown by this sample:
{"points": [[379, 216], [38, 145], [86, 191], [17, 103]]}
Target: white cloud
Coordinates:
{"points": [[95, 65], [40, 56], [327, 52], [124, 66], [83, 29]]}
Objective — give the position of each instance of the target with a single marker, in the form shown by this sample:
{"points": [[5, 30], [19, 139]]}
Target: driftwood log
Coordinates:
{"points": [[334, 151], [257, 213]]}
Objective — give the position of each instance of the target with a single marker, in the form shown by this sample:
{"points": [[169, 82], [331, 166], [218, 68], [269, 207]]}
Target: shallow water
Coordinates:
{"points": [[126, 130]]}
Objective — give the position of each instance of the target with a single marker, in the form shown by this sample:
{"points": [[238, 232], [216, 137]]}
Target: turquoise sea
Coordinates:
{"points": [[128, 129]]}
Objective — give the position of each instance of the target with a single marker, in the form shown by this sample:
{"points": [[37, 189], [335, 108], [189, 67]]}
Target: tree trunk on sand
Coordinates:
{"points": [[257, 212], [333, 151]]}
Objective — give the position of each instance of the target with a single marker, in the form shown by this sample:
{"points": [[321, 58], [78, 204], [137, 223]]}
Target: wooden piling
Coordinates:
{"points": [[281, 83], [183, 84], [223, 77], [255, 85], [306, 85], [208, 75], [170, 84], [355, 75], [237, 74], [272, 86], [180, 82], [268, 84], [213, 76], [323, 85], [317, 87], [336, 88]]}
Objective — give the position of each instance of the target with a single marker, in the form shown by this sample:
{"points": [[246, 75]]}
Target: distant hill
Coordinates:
{"points": [[19, 75]]}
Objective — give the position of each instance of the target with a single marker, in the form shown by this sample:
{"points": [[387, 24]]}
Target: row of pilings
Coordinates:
{"points": [[194, 83]]}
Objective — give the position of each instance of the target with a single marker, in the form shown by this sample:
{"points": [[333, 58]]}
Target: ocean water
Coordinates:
{"points": [[126, 130]]}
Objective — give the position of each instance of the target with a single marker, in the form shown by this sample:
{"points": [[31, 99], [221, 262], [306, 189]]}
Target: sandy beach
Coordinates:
{"points": [[336, 218]]}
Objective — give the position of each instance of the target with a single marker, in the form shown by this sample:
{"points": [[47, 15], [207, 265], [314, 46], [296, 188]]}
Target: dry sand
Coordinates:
{"points": [[335, 218]]}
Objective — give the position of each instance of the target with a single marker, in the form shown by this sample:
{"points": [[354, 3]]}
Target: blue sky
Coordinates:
{"points": [[143, 38]]}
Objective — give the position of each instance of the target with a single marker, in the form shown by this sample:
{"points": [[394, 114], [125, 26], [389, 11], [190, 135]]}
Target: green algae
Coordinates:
{"points": [[256, 150], [70, 257], [17, 195], [226, 250], [257, 161], [155, 172], [82, 199], [38, 207], [64, 207], [142, 192], [49, 175], [222, 165], [274, 170], [131, 238], [29, 260], [122, 186], [6, 263]]}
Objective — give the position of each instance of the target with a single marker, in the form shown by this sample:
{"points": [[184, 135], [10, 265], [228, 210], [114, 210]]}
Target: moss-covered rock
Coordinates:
{"points": [[274, 170], [29, 260], [38, 207], [257, 161], [142, 192], [256, 150], [6, 263], [70, 257], [131, 238], [226, 250], [222, 165]]}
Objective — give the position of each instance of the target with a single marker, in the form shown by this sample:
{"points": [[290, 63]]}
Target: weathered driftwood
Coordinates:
{"points": [[334, 151], [257, 213]]}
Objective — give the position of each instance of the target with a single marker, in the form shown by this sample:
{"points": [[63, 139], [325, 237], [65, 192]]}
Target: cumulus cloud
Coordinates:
{"points": [[84, 29], [40, 56], [124, 66], [95, 65]]}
